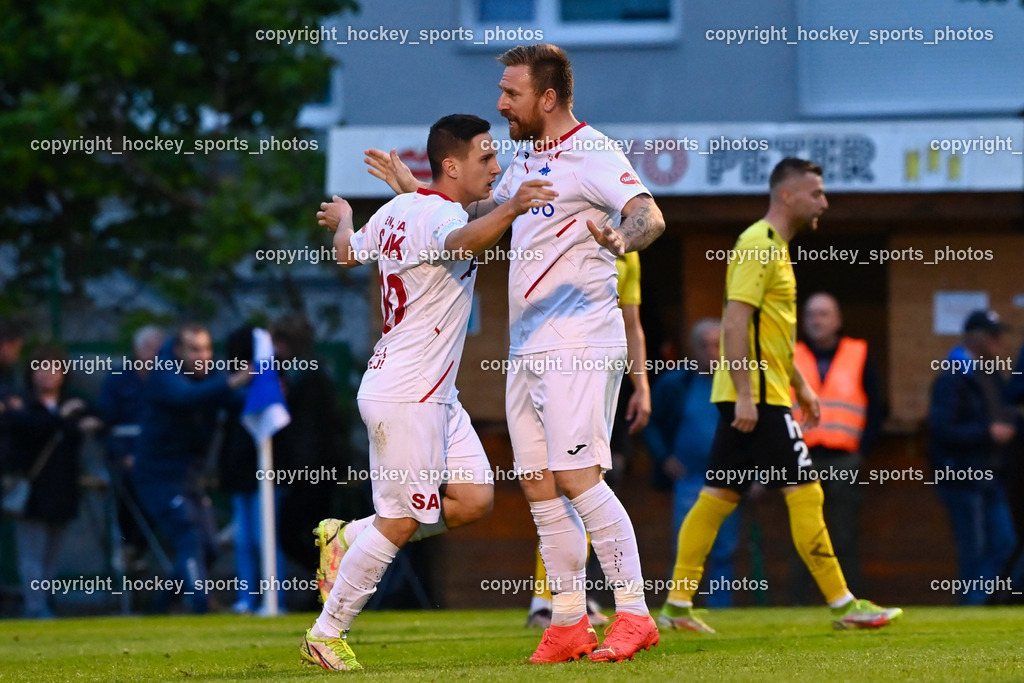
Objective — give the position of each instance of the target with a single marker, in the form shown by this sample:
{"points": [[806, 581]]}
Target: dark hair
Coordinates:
{"points": [[188, 329], [10, 330], [296, 331], [45, 352], [238, 347], [791, 166], [549, 68], [450, 136]]}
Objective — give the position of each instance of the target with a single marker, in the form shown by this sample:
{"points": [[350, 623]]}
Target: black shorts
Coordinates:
{"points": [[774, 454]]}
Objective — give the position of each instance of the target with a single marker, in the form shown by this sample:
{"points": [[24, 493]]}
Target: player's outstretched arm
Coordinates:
{"points": [[392, 170], [736, 344], [482, 207], [482, 233], [336, 216], [642, 223]]}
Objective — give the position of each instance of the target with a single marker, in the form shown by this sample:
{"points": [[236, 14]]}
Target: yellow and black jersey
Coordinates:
{"points": [[761, 274], [629, 279]]}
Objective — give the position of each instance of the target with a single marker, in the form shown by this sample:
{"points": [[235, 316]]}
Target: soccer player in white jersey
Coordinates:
{"points": [[420, 436], [567, 332]]}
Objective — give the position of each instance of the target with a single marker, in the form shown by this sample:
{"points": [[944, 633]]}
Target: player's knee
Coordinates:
{"points": [[539, 486], [727, 495], [574, 483], [397, 530], [805, 494], [466, 503], [478, 501]]}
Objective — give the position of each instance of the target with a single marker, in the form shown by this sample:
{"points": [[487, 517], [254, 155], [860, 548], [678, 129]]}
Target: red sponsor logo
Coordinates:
{"points": [[417, 162], [422, 502], [628, 178]]}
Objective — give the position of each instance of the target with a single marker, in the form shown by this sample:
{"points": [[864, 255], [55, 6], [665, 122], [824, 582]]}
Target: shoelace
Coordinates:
{"points": [[628, 625]]}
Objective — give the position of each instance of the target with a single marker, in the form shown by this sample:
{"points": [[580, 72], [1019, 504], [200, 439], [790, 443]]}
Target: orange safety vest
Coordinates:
{"points": [[844, 405]]}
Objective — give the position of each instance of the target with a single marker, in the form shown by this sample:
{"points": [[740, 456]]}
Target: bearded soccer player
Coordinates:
{"points": [[568, 341], [757, 438], [434, 470]]}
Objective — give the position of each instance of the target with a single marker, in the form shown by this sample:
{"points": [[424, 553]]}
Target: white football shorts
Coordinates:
{"points": [[560, 406], [415, 450]]}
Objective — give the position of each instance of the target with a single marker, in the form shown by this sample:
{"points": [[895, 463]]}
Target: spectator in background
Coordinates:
{"points": [[237, 467], [843, 374], [11, 386], [11, 341], [11, 336], [1013, 482], [315, 437], [120, 406], [970, 428], [46, 442], [679, 438], [179, 414]]}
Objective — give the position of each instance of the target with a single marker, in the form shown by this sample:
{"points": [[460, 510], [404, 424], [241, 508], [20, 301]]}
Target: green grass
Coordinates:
{"points": [[929, 644]]}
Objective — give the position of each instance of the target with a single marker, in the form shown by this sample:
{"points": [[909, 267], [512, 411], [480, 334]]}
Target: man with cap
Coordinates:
{"points": [[971, 425]]}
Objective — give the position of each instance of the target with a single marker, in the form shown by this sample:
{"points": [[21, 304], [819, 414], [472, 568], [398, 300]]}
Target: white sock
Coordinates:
{"points": [[428, 530], [843, 601], [358, 575], [563, 548], [355, 527], [572, 606], [614, 543]]}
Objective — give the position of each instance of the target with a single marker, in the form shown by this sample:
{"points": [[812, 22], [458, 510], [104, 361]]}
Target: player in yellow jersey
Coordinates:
{"points": [[633, 417], [757, 439]]}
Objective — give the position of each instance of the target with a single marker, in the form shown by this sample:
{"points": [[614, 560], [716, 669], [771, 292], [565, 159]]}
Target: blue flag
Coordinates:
{"points": [[265, 412]]}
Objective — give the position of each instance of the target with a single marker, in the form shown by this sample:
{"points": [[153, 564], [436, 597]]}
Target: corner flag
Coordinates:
{"points": [[264, 413]]}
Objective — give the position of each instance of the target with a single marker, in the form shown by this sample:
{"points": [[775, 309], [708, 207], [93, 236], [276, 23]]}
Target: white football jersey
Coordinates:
{"points": [[426, 297], [562, 283]]}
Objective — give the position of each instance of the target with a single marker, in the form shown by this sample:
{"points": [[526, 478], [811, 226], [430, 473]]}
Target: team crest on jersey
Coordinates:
{"points": [[544, 171], [628, 178]]}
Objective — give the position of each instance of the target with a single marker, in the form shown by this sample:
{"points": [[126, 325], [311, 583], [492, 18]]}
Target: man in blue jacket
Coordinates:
{"points": [[120, 407], [180, 405], [679, 438], [971, 425]]}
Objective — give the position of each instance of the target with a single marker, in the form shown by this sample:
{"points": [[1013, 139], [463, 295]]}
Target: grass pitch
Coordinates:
{"points": [[929, 644]]}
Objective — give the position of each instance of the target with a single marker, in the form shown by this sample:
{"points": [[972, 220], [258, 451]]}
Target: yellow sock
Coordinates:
{"points": [[540, 579], [540, 575], [696, 536], [810, 536]]}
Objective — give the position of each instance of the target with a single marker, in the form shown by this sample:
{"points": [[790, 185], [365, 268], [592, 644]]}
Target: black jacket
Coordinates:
{"points": [[54, 496], [959, 418]]}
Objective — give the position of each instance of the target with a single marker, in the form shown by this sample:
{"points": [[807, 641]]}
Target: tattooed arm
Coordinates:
{"points": [[642, 223]]}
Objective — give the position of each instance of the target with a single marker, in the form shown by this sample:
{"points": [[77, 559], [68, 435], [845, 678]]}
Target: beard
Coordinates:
{"points": [[527, 128], [810, 225]]}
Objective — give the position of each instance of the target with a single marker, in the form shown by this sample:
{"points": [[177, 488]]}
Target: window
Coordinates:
{"points": [[505, 23], [330, 109]]}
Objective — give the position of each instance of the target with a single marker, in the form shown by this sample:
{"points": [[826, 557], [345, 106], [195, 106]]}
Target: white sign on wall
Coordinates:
{"points": [[976, 155]]}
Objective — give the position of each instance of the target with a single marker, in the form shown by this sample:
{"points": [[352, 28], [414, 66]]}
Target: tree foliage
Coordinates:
{"points": [[188, 71]]}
